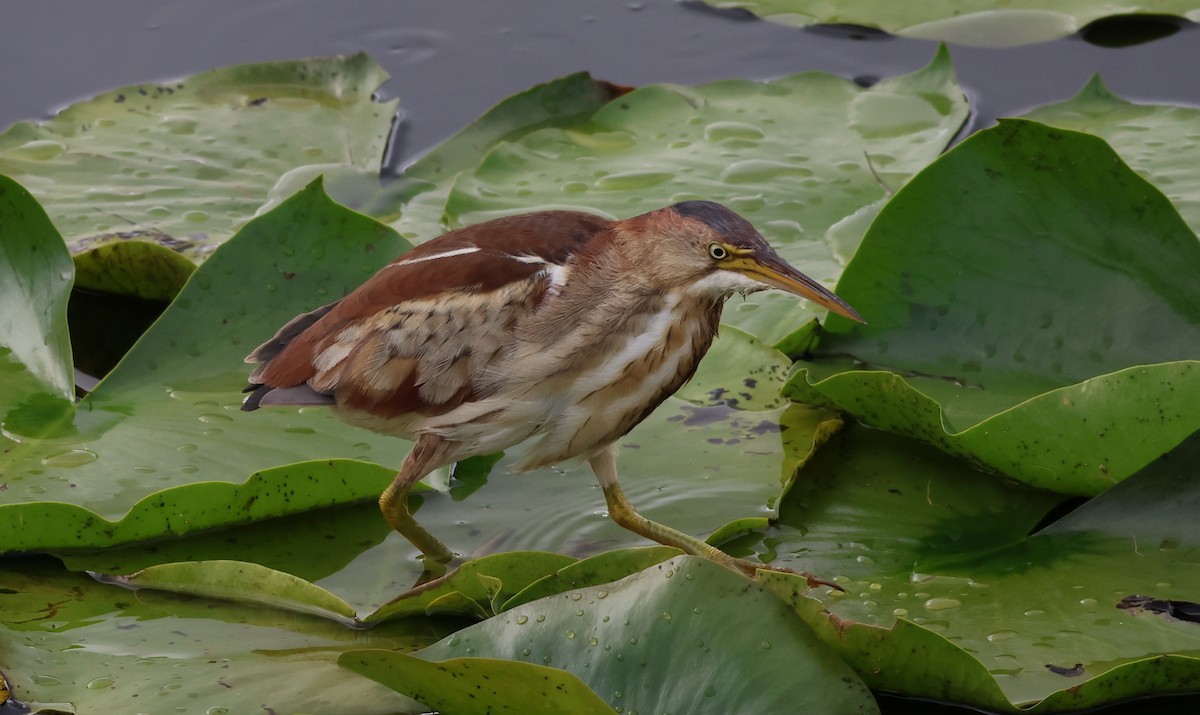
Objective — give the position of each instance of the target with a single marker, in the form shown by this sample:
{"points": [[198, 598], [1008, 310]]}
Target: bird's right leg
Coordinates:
{"points": [[427, 454], [621, 511], [604, 465]]}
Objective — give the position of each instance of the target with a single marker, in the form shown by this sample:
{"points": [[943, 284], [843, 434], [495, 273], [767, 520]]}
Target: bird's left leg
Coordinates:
{"points": [[604, 464], [427, 454]]}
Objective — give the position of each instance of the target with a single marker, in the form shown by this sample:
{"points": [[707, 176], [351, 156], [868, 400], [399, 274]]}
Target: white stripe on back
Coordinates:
{"points": [[435, 256]]}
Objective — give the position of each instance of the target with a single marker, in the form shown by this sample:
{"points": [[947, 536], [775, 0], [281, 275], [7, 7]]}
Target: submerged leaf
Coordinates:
{"points": [[1030, 308]]}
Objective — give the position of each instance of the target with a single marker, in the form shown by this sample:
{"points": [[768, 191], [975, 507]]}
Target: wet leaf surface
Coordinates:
{"points": [[175, 168], [987, 609]]}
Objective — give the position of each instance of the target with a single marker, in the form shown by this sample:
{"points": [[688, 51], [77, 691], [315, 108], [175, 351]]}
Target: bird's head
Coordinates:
{"points": [[707, 249]]}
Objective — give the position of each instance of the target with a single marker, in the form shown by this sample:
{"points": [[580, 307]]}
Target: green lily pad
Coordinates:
{"points": [[65, 639], [1030, 308], [952, 601], [661, 641], [1158, 141], [476, 589], [795, 156], [168, 417], [312, 545], [745, 374], [179, 166], [978, 23], [35, 281]]}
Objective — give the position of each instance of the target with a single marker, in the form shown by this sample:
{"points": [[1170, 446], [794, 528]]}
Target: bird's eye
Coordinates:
{"points": [[718, 252]]}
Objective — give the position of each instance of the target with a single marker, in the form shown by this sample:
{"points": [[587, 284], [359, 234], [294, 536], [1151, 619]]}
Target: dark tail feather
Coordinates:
{"points": [[269, 350], [257, 392], [265, 395]]}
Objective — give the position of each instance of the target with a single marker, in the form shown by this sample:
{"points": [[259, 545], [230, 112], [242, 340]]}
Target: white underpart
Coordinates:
{"points": [[572, 420], [723, 282], [611, 370], [435, 256]]}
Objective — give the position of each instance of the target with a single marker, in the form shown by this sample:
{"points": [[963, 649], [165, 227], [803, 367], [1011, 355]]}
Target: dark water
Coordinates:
{"points": [[450, 60]]}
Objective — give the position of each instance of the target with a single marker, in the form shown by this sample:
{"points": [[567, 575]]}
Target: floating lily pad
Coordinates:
{"points": [[1158, 141], [135, 267], [978, 23], [660, 641], [421, 191], [1031, 308], [794, 156], [179, 166], [312, 545], [996, 620]]}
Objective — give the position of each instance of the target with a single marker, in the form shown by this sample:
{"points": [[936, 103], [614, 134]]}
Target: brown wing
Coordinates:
{"points": [[417, 335]]}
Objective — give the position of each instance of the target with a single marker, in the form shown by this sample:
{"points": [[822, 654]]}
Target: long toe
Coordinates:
{"points": [[751, 569]]}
